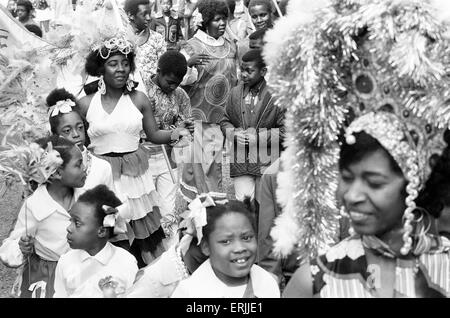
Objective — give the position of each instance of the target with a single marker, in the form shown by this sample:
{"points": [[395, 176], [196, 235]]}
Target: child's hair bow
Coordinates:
{"points": [[114, 220], [63, 107]]}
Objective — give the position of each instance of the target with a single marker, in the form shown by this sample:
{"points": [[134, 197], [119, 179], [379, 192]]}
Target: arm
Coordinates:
{"points": [[10, 251], [84, 104], [300, 284], [185, 106], [181, 291], [277, 131], [60, 288], [154, 134], [225, 123], [267, 214]]}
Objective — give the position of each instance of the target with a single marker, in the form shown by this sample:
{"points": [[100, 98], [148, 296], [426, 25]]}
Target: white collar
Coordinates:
{"points": [[263, 284], [42, 205], [209, 40], [103, 257]]}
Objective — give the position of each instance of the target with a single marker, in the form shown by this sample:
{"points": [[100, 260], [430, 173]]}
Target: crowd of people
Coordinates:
{"points": [[133, 201]]}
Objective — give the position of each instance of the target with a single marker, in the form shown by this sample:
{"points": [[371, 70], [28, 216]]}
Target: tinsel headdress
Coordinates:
{"points": [[332, 61]]}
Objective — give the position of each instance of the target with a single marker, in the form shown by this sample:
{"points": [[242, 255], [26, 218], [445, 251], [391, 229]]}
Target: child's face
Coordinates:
{"points": [[83, 231], [256, 44], [22, 13], [74, 173], [142, 18], [251, 74], [166, 5], [71, 127], [168, 82], [260, 16], [232, 248]]}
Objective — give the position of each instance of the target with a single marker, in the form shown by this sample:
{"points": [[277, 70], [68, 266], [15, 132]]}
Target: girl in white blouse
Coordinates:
{"points": [[66, 121], [228, 238], [94, 267], [39, 236]]}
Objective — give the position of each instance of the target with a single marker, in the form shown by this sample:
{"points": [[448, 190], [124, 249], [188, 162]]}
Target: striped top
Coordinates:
{"points": [[343, 272]]}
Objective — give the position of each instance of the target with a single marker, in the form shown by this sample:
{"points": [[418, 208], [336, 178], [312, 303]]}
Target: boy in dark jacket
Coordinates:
{"points": [[255, 125], [168, 25]]}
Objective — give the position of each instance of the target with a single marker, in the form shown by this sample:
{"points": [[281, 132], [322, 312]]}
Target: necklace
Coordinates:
{"points": [[180, 266]]}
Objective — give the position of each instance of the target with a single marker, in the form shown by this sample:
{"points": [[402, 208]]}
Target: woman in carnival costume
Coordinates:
{"points": [[364, 86], [116, 114]]}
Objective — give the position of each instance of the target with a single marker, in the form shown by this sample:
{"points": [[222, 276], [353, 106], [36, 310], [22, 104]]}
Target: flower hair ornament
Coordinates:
{"points": [[331, 62], [114, 220], [62, 107], [27, 161], [111, 287], [195, 218]]}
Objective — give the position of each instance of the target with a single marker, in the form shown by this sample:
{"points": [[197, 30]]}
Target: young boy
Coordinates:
{"points": [[167, 24], [257, 39], [261, 15], [172, 108], [256, 123]]}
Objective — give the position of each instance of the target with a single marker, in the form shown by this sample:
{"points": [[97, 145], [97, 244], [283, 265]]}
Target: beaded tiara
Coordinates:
{"points": [[115, 44]]}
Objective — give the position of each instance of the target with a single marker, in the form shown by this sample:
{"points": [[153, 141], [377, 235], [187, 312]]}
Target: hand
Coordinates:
{"points": [[251, 138], [189, 125], [26, 245], [178, 133], [241, 137], [152, 103], [199, 59]]}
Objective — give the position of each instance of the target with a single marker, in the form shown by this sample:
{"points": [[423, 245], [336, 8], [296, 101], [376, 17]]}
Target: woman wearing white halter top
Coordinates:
{"points": [[116, 115]]}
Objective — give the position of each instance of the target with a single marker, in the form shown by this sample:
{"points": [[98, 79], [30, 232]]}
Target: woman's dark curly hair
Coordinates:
{"points": [[94, 65], [436, 193], [209, 8]]}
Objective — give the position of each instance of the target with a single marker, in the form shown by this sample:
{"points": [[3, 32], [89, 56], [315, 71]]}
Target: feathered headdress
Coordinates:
{"points": [[332, 61], [23, 160], [95, 25]]}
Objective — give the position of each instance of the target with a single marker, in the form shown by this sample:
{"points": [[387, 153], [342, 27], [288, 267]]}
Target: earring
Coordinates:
{"points": [[101, 86], [130, 85]]}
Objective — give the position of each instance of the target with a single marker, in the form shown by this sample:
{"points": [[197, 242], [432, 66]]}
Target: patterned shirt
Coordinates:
{"points": [[345, 272], [148, 54], [170, 109]]}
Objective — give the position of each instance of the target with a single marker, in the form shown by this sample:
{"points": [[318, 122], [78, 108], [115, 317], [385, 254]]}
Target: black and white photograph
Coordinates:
{"points": [[248, 150]]}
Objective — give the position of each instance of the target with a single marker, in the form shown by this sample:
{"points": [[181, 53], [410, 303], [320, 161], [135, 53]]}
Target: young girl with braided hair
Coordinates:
{"points": [[94, 267], [39, 236], [228, 238]]}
